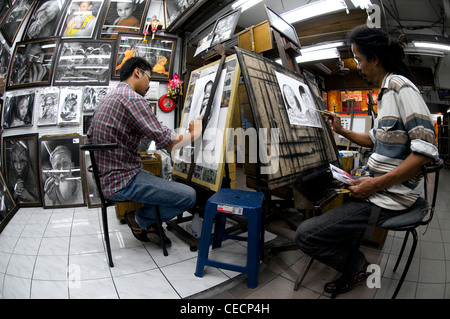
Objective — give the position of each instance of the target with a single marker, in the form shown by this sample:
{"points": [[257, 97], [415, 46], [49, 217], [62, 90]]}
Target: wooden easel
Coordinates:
{"points": [[297, 191]]}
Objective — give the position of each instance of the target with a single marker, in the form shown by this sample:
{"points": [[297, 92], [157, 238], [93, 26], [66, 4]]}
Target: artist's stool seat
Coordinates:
{"points": [[247, 204]]}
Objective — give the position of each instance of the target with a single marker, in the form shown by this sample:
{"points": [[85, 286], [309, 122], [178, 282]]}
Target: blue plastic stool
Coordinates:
{"points": [[233, 202]]}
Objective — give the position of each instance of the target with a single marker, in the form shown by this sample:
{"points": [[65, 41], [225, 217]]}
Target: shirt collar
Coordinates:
{"points": [[384, 85]]}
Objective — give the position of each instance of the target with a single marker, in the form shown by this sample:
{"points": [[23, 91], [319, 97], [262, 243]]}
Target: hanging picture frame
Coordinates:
{"points": [[47, 104], [81, 19], [8, 206], [14, 19], [224, 28], [83, 62], [18, 109], [70, 101], [5, 60], [210, 159], [20, 162], [175, 9], [62, 171], [159, 52], [123, 16], [92, 96], [44, 20], [32, 63]]}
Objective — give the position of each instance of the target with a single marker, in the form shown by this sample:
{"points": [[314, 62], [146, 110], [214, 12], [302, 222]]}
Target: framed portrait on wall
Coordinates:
{"points": [[123, 16], [20, 160], [83, 62], [70, 104], [159, 52], [209, 157], [18, 109], [92, 96], [44, 20], [224, 28], [8, 206], [62, 172], [14, 19], [5, 59], [47, 105], [32, 63], [175, 9], [81, 19]]}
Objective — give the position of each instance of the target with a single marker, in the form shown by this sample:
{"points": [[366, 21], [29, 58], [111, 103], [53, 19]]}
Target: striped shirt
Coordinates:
{"points": [[124, 117], [403, 126]]}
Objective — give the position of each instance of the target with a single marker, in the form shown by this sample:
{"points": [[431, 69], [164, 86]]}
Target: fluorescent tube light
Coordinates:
{"points": [[314, 9], [432, 45], [245, 4], [318, 55], [322, 47], [363, 4]]}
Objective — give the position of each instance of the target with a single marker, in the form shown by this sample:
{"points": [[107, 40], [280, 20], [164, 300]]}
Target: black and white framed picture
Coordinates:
{"points": [[8, 206], [92, 96], [20, 160], [175, 9], [224, 27], [123, 16], [159, 52], [282, 26], [83, 62], [45, 19], [47, 104], [18, 109], [70, 104], [62, 173], [32, 63], [81, 19], [14, 19], [5, 60]]}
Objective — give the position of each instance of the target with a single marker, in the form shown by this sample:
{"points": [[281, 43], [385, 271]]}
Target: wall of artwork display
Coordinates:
{"points": [[58, 59]]}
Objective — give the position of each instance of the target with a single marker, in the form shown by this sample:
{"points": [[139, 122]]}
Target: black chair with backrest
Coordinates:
{"points": [[421, 214], [410, 221], [105, 203]]}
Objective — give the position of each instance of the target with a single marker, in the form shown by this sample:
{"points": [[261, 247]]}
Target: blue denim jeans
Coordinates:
{"points": [[172, 198], [329, 238]]}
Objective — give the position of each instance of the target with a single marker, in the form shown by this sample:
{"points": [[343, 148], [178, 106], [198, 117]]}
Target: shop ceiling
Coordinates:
{"points": [[413, 18]]}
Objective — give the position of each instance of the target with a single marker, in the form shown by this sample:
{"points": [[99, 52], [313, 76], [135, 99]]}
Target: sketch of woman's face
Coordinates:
{"points": [[19, 158], [22, 109], [289, 95]]}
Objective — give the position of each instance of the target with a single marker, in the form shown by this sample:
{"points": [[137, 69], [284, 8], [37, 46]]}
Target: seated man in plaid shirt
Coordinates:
{"points": [[125, 117]]}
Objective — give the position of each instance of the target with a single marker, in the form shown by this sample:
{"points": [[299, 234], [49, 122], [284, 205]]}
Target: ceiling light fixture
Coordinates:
{"points": [[245, 4], [363, 4], [431, 45], [314, 9], [318, 55]]}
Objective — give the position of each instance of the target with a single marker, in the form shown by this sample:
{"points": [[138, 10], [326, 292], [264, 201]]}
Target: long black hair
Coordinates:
{"points": [[374, 42]]}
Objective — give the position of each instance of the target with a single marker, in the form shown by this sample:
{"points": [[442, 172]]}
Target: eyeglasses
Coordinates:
{"points": [[149, 76]]}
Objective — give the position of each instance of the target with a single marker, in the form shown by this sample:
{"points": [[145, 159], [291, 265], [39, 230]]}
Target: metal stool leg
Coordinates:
{"points": [[299, 281], [106, 236], [160, 229]]}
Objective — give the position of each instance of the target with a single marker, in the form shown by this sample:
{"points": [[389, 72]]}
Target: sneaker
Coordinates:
{"points": [[339, 287], [138, 232]]}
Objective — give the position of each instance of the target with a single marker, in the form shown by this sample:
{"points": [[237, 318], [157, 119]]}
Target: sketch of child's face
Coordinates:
{"points": [[125, 9]]}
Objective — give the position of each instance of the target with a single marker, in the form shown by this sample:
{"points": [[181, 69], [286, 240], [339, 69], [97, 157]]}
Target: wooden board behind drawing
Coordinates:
{"points": [[210, 157], [305, 145]]}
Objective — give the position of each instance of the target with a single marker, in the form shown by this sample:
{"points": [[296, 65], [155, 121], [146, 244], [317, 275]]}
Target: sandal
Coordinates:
{"points": [[138, 232]]}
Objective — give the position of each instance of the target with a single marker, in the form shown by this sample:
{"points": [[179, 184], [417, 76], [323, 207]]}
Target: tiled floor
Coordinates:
{"points": [[60, 254]]}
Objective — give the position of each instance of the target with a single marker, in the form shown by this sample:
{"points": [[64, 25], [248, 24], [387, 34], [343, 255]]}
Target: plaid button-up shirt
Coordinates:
{"points": [[124, 117]]}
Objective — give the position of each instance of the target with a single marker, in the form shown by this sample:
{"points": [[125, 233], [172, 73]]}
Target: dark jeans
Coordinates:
{"points": [[172, 198], [329, 238]]}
